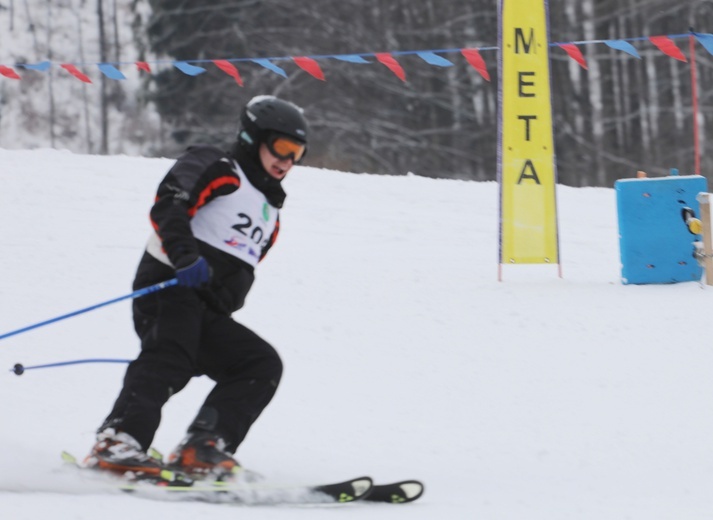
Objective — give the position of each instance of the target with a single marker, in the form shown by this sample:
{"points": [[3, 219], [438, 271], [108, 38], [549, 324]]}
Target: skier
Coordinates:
{"points": [[215, 217]]}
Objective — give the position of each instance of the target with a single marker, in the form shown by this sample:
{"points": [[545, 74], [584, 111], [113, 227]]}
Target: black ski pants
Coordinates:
{"points": [[182, 338]]}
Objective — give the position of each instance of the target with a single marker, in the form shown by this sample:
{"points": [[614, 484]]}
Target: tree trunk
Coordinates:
{"points": [[103, 103]]}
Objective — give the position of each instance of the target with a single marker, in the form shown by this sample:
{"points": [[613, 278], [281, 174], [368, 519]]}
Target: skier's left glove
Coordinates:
{"points": [[193, 272]]}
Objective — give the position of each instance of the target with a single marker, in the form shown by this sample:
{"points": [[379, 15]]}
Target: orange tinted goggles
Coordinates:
{"points": [[284, 148]]}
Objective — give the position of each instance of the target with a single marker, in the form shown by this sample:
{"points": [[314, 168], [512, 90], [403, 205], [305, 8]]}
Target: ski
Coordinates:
{"points": [[256, 494], [173, 486], [170, 485], [393, 493], [396, 493]]}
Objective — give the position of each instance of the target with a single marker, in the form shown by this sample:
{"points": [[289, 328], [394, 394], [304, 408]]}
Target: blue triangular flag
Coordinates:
{"points": [[270, 66], [187, 68], [621, 45], [42, 66], [351, 58], [110, 71], [434, 59], [706, 40]]}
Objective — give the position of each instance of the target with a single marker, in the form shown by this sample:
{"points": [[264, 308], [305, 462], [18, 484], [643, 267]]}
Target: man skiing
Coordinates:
{"points": [[215, 217]]}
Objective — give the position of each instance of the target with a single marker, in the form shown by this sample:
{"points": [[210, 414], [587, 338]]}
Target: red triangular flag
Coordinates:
{"points": [[142, 65], [230, 69], [574, 53], [74, 71], [8, 72], [310, 65], [666, 45], [387, 59], [476, 61]]}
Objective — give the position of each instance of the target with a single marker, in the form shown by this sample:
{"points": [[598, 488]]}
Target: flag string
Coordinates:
{"points": [[310, 63]]}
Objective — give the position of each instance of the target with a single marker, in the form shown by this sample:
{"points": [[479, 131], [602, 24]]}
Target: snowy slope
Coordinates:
{"points": [[532, 398]]}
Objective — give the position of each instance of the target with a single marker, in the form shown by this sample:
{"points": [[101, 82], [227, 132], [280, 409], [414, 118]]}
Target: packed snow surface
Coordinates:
{"points": [[537, 397]]}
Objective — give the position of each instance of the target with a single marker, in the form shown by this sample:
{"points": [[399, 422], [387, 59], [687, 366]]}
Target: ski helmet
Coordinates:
{"points": [[264, 115]]}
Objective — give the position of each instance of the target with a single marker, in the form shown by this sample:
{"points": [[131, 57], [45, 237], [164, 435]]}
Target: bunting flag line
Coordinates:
{"points": [[311, 65]]}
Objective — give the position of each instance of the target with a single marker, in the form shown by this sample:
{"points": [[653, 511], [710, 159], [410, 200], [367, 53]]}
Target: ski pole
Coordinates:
{"points": [[135, 294], [19, 368]]}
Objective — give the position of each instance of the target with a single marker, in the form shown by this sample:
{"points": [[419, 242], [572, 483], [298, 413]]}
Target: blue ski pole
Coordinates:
{"points": [[135, 294], [19, 368]]}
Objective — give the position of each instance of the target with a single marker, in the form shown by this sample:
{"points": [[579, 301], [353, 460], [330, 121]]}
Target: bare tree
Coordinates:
{"points": [[620, 115], [103, 102]]}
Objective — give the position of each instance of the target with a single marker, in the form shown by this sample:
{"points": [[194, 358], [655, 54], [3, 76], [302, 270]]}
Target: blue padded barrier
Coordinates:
{"points": [[654, 241]]}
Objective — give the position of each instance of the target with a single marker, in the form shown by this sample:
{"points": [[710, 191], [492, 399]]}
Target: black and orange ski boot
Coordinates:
{"points": [[202, 455]]}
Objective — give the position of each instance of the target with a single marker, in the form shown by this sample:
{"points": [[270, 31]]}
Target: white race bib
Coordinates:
{"points": [[239, 224]]}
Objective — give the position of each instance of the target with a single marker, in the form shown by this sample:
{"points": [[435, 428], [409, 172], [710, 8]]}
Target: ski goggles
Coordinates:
{"points": [[285, 148]]}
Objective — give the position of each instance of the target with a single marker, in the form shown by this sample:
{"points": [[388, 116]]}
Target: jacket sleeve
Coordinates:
{"points": [[198, 176]]}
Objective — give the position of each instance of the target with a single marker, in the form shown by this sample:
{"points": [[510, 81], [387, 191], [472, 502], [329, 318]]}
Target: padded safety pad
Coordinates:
{"points": [[655, 244]]}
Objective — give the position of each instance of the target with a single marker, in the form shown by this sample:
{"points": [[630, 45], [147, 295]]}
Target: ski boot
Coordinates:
{"points": [[119, 453], [202, 455]]}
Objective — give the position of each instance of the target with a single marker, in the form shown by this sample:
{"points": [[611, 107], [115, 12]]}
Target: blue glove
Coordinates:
{"points": [[193, 274]]}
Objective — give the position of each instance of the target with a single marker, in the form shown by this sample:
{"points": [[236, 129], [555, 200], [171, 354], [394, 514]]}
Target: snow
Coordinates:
{"points": [[532, 398]]}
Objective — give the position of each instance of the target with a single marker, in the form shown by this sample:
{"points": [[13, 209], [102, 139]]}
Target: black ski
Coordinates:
{"points": [[348, 491], [255, 494], [396, 493]]}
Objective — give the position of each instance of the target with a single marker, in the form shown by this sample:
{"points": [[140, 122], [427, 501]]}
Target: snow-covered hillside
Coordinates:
{"points": [[533, 398]]}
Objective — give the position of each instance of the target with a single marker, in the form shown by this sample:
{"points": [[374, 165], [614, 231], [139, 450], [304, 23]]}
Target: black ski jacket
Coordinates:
{"points": [[198, 177]]}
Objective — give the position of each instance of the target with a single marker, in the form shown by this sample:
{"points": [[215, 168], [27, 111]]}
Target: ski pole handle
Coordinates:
{"points": [[135, 294]]}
